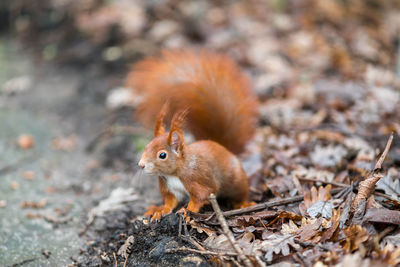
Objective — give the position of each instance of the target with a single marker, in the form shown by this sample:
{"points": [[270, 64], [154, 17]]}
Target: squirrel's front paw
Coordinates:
{"points": [[152, 209], [156, 212]]}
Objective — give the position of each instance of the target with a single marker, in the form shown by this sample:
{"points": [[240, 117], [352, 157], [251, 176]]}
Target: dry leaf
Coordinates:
{"points": [[322, 195], [201, 229], [355, 235], [278, 244], [390, 183], [126, 249], [309, 229]]}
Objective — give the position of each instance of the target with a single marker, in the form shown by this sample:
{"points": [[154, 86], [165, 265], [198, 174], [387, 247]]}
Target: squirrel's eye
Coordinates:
{"points": [[162, 155]]}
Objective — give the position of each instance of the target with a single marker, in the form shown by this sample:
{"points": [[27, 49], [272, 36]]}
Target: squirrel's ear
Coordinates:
{"points": [[176, 142], [159, 128], [175, 137]]}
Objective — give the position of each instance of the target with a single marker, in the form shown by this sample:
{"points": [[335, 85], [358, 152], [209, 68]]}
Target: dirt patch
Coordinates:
{"points": [[151, 244]]}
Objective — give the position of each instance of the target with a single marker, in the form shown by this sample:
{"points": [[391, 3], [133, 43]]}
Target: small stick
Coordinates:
{"points": [[378, 165], [227, 232], [269, 204], [126, 259], [115, 259], [193, 242], [180, 226], [203, 252], [323, 182]]}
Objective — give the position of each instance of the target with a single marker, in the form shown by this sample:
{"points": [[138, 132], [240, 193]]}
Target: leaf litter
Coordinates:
{"points": [[324, 73]]}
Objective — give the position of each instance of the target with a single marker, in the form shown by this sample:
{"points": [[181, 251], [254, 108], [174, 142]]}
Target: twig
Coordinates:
{"points": [[323, 182], [180, 226], [269, 204], [193, 242], [385, 196], [126, 259], [378, 165], [22, 262], [227, 232], [115, 260], [203, 252]]}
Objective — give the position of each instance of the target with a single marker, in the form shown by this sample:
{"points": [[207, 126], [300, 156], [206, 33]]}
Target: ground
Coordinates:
{"points": [[327, 77]]}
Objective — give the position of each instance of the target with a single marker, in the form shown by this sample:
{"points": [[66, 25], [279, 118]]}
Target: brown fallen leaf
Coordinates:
{"points": [[334, 224], [389, 256], [278, 244], [318, 200], [310, 229], [246, 220], [201, 229], [355, 235], [286, 215], [289, 228]]}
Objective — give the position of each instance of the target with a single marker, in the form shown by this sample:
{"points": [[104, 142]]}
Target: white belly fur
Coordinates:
{"points": [[176, 187]]}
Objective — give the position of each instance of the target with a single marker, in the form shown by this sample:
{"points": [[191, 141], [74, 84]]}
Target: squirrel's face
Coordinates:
{"points": [[159, 158]]}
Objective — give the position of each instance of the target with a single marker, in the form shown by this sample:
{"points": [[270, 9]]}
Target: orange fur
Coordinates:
{"points": [[222, 106]]}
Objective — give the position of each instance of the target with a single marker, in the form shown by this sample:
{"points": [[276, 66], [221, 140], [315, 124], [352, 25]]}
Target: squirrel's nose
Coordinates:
{"points": [[141, 164]]}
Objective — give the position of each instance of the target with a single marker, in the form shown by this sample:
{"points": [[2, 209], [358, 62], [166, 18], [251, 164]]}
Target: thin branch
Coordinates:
{"points": [[227, 232], [115, 259], [323, 182], [270, 204], [203, 252], [378, 164]]}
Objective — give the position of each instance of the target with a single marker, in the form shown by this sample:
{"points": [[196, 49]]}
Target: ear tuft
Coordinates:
{"points": [[159, 128], [175, 137]]}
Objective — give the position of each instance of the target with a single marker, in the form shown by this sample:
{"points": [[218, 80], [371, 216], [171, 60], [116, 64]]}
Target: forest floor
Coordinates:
{"points": [[327, 77]]}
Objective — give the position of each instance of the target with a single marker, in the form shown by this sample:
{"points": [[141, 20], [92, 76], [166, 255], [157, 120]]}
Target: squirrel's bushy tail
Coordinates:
{"points": [[222, 105]]}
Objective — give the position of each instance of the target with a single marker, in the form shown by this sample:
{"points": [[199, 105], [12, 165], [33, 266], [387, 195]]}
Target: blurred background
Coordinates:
{"points": [[67, 138], [278, 41]]}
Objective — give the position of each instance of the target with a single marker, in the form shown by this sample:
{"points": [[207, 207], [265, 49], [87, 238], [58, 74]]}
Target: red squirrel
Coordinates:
{"points": [[209, 93]]}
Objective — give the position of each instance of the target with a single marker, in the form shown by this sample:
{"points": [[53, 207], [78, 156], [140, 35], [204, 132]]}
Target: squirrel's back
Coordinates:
{"points": [[222, 105]]}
